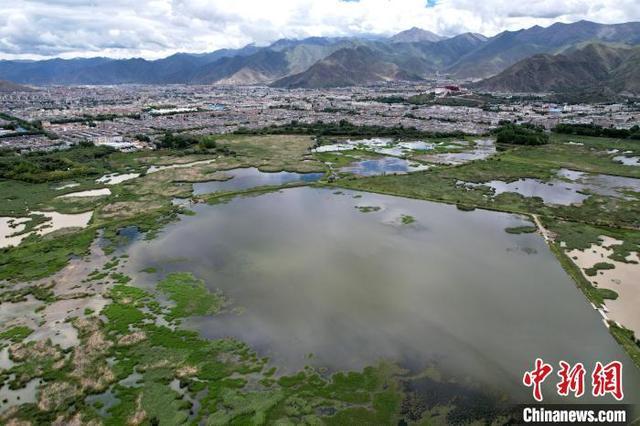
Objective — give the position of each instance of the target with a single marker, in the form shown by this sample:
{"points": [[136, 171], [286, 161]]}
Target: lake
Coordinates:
{"points": [[314, 280]]}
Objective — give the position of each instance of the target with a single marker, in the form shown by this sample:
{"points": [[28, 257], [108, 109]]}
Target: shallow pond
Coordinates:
{"points": [[571, 187], [553, 192], [251, 177], [12, 228], [384, 146], [602, 184], [9, 228], [627, 161], [104, 401], [25, 395], [483, 148], [383, 165], [315, 275]]}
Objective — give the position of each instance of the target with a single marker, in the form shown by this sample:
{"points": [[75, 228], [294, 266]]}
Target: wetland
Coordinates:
{"points": [[312, 281], [270, 281]]}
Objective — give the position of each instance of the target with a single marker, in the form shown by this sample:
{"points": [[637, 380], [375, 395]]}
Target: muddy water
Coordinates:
{"points": [[623, 279], [316, 276], [11, 228]]}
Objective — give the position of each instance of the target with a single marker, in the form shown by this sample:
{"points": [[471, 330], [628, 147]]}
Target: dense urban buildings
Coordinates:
{"points": [[119, 115]]}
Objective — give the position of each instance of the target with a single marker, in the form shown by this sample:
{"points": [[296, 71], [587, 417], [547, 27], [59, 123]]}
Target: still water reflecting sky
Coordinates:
{"points": [[314, 275]]}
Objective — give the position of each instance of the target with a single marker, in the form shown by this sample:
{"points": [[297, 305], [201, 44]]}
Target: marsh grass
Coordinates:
{"points": [[600, 266], [525, 229], [16, 334], [190, 295]]}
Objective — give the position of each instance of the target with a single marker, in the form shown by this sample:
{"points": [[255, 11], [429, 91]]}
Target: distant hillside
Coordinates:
{"points": [[282, 58], [249, 65], [263, 65], [626, 77], [415, 35], [593, 66], [7, 87], [347, 67], [376, 62], [315, 61], [509, 47], [173, 69]]}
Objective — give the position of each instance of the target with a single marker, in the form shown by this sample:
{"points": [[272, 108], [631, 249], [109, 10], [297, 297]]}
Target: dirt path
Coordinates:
{"points": [[545, 233]]}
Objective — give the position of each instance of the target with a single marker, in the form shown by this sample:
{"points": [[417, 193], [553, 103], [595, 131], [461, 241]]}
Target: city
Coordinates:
{"points": [[116, 115]]}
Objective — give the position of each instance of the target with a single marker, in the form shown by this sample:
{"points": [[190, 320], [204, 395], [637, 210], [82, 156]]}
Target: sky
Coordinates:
{"points": [[38, 29]]}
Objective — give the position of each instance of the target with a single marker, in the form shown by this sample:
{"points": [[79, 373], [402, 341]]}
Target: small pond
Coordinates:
{"points": [[384, 146], [251, 177], [383, 165], [571, 187], [627, 161], [483, 148]]}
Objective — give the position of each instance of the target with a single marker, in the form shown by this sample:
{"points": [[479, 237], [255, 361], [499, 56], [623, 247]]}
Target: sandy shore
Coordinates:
{"points": [[54, 222], [90, 193], [624, 279]]}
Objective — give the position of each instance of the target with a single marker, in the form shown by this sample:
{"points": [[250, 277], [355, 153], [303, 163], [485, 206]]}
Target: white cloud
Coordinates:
{"points": [[157, 28]]}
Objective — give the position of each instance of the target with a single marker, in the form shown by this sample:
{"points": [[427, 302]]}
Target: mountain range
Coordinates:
{"points": [[413, 54], [593, 67]]}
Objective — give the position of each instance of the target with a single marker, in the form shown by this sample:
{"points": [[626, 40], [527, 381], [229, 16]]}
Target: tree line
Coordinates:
{"points": [[598, 131]]}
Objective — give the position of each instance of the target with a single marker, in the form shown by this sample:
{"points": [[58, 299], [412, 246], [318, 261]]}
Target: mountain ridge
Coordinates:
{"points": [[509, 47], [414, 53], [595, 66], [415, 34]]}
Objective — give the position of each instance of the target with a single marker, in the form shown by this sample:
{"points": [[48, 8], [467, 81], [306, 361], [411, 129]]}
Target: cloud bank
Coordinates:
{"points": [[157, 28]]}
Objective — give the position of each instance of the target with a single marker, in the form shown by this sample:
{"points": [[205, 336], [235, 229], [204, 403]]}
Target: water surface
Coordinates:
{"points": [[610, 185], [627, 161], [571, 187], [384, 146], [482, 149], [552, 192], [251, 177], [383, 165], [12, 228], [314, 275]]}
